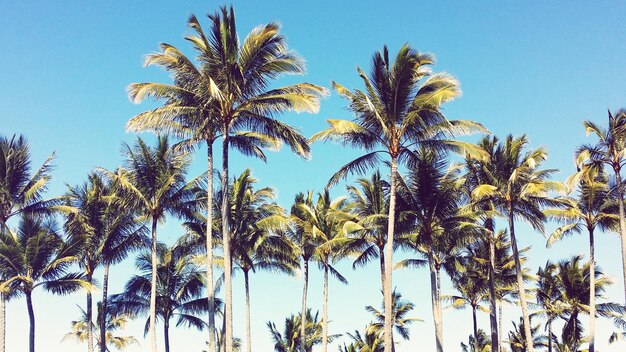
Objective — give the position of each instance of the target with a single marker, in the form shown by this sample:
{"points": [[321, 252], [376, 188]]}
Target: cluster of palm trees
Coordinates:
{"points": [[444, 212]]}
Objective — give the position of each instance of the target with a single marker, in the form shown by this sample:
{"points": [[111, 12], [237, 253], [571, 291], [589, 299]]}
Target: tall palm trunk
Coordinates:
{"points": [[493, 320], [303, 315], [381, 250], [89, 316], [436, 302], [152, 328], [520, 284], [228, 294], [3, 312], [166, 334], [325, 311], [209, 247], [31, 318], [389, 258], [550, 335], [248, 332], [592, 293], [500, 326], [475, 328], [103, 320], [622, 223]]}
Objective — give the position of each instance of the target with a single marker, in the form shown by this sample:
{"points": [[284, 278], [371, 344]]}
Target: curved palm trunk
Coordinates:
{"points": [[89, 316], [166, 334], [303, 315], [3, 316], [325, 311], [209, 247], [103, 320], [622, 223], [248, 331], [493, 320], [520, 284], [389, 258], [436, 302], [31, 318], [475, 328], [152, 328], [592, 293], [228, 294]]}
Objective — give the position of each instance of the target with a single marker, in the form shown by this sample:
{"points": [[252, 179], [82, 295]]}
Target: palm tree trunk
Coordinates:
{"points": [[105, 308], [622, 223], [152, 328], [31, 317], [248, 332], [166, 334], [435, 302], [228, 294], [381, 250], [303, 316], [89, 316], [475, 328], [520, 284], [493, 320], [500, 326], [389, 257], [550, 335], [3, 315], [325, 311], [209, 247], [592, 293]]}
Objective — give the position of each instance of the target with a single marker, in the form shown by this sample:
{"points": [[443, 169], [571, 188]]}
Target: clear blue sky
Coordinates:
{"points": [[525, 67]]}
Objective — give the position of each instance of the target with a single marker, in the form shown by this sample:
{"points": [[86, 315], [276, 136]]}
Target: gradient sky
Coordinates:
{"points": [[532, 67]]}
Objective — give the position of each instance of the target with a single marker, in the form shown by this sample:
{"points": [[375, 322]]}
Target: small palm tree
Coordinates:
{"points": [[290, 339], [609, 151], [179, 290], [478, 342], [548, 297], [369, 341], [153, 181], [36, 256], [400, 321], [399, 108], [517, 338]]}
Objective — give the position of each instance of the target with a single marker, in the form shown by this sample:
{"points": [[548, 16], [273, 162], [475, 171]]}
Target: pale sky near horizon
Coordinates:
{"points": [[532, 67]]}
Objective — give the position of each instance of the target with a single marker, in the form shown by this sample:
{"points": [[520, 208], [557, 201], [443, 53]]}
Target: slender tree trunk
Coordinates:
{"points": [[3, 316], [475, 328], [592, 293], [222, 333], [500, 326], [89, 316], [31, 318], [435, 302], [303, 314], [325, 311], [209, 247], [520, 283], [152, 328], [248, 331], [550, 336], [389, 258], [166, 334], [228, 294], [622, 223], [105, 308], [493, 320], [381, 257]]}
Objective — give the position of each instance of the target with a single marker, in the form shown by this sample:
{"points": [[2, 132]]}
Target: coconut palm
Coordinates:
{"points": [[548, 297], [33, 256], [21, 190], [80, 330], [480, 343], [107, 232], [518, 189], [369, 341], [592, 208], [179, 290], [518, 340], [289, 339], [399, 108], [239, 75], [400, 321], [609, 151], [153, 180]]}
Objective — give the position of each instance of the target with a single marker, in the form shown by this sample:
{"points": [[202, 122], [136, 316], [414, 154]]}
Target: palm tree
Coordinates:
{"points": [[400, 321], [430, 200], [80, 330], [518, 340], [370, 341], [290, 339], [518, 189], [478, 342], [35, 256], [399, 108], [239, 75], [107, 231], [593, 208], [179, 290], [153, 179], [20, 191], [609, 150], [548, 297]]}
